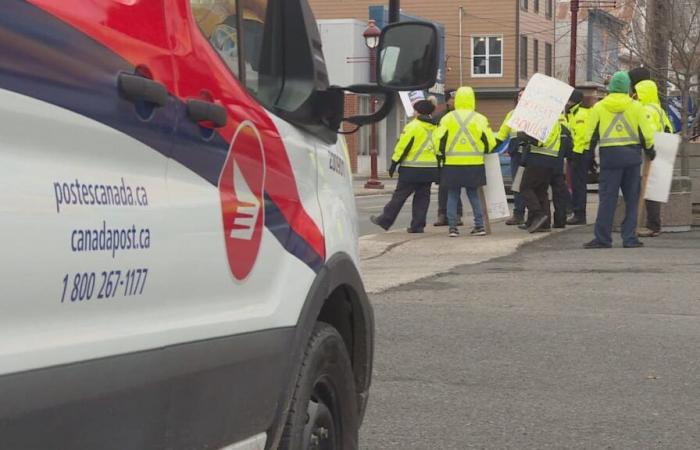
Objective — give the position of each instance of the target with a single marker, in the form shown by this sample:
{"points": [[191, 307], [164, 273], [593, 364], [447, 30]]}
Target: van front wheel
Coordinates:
{"points": [[323, 412]]}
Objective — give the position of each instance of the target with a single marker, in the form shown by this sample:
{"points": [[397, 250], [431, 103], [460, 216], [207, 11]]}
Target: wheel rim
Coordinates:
{"points": [[320, 432]]}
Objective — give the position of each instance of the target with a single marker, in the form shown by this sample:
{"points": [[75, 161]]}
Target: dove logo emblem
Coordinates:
{"points": [[241, 190]]}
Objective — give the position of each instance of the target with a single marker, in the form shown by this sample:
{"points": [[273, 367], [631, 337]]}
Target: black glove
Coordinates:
{"points": [[651, 153], [392, 169]]}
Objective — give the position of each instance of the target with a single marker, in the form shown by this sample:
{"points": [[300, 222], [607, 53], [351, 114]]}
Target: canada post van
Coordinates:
{"points": [[178, 238]]}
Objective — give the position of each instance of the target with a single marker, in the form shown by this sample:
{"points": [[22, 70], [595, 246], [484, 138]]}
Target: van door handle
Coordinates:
{"points": [[203, 111], [137, 88]]}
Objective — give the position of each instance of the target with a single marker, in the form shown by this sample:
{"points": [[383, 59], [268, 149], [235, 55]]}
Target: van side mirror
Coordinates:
{"points": [[407, 56]]}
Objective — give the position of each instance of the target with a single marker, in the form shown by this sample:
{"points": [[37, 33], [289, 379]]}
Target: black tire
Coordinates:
{"points": [[323, 411]]}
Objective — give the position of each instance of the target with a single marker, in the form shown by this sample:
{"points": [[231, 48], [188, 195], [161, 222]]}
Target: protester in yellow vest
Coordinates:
{"points": [[620, 126], [544, 163], [580, 159], [515, 153], [462, 138], [648, 94], [416, 158]]}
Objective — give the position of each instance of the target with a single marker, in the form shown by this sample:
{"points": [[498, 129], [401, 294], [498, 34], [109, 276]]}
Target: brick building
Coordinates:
{"points": [[492, 45]]}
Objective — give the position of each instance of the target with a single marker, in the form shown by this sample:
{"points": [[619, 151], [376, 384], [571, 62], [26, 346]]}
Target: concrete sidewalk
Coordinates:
{"points": [[394, 258], [358, 185]]}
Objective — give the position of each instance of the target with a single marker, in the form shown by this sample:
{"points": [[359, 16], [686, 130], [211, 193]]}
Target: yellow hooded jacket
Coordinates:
{"points": [[648, 94], [464, 135]]}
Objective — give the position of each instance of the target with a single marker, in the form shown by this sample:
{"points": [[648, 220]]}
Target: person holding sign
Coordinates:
{"points": [[580, 158], [544, 165], [515, 152], [648, 94], [620, 126], [462, 138], [415, 155]]}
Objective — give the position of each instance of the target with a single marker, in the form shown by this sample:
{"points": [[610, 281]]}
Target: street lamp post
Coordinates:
{"points": [[371, 35]]}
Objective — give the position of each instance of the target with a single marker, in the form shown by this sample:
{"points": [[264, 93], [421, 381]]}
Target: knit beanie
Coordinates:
{"points": [[639, 74], [620, 83]]}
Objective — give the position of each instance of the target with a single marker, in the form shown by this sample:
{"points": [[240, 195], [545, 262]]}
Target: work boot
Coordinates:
{"points": [[537, 224], [410, 230], [441, 221], [636, 244], [595, 244], [375, 220], [478, 231], [515, 220]]}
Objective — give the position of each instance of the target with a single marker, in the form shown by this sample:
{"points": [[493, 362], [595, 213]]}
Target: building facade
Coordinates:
{"points": [[599, 50], [495, 46]]}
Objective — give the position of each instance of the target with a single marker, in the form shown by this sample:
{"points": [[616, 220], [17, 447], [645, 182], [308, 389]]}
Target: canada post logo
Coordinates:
{"points": [[241, 188]]}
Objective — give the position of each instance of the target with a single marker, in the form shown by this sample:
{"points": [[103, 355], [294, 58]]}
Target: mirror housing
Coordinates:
{"points": [[407, 56]]}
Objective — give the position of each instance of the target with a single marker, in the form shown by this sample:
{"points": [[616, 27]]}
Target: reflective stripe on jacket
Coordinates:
{"points": [[464, 135], [552, 145], [617, 121], [415, 147]]}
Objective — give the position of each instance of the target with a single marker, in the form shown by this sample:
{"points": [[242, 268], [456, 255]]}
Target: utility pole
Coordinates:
{"points": [[576, 6], [394, 10], [574, 44]]}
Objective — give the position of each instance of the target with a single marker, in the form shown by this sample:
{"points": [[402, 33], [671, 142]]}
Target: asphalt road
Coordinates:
{"points": [[552, 347], [374, 204]]}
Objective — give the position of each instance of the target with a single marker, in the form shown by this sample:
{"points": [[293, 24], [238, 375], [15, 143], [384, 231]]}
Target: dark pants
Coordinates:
{"points": [[421, 202], [560, 198], [518, 202], [534, 190], [579, 184], [653, 215], [610, 182], [442, 203]]}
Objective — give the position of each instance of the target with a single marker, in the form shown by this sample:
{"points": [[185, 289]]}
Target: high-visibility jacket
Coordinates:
{"points": [[576, 119], [506, 132], [648, 94], [619, 121], [415, 147], [551, 146], [464, 135]]}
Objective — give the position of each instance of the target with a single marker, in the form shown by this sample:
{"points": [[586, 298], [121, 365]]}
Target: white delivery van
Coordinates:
{"points": [[178, 239]]}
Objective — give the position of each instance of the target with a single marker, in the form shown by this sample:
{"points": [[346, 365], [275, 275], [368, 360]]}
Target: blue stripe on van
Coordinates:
{"points": [[45, 58]]}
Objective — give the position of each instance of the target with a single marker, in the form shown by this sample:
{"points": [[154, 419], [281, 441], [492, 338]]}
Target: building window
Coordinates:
{"points": [[536, 6], [523, 57], [548, 8], [487, 56], [548, 59], [536, 56], [523, 5]]}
